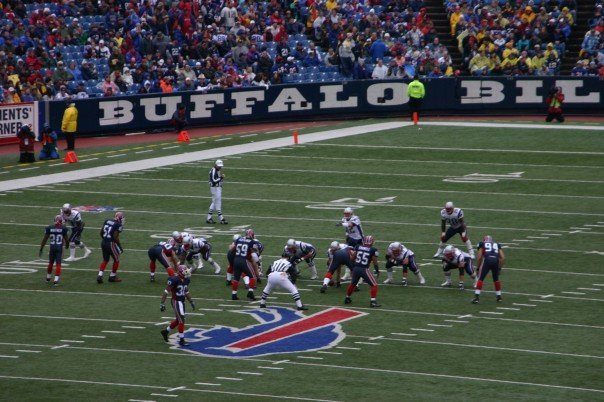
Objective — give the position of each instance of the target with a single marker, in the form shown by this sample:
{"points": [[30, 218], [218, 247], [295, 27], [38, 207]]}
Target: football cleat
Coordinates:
{"points": [[387, 281], [152, 278], [234, 297], [312, 278], [250, 295], [422, 280], [302, 308], [228, 283], [438, 255], [499, 299], [69, 259], [476, 300], [224, 222], [446, 284], [217, 268], [323, 289], [87, 252], [55, 283], [210, 221], [404, 282], [347, 300], [374, 304], [99, 279], [461, 286], [114, 279], [183, 342], [262, 305], [164, 333]]}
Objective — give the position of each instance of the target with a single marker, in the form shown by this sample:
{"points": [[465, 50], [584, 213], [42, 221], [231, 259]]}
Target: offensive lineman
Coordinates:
{"points": [[279, 274], [302, 251], [454, 217], [455, 258], [200, 248], [57, 233], [338, 254], [216, 179], [111, 246], [398, 255], [363, 256], [490, 258], [77, 227]]}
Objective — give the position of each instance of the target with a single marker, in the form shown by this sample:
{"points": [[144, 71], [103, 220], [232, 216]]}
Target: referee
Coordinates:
{"points": [[215, 180], [416, 93]]}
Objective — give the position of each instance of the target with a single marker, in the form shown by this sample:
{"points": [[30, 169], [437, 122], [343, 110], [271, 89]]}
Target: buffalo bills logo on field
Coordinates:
{"points": [[280, 330]]}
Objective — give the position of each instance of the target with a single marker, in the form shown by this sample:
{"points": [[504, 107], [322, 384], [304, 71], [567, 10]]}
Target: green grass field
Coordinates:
{"points": [[538, 192]]}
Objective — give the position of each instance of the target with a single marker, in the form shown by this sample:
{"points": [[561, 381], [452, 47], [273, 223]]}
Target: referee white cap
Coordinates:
{"points": [[219, 163]]}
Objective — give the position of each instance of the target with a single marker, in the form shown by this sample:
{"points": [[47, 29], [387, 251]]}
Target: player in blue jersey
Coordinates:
{"points": [[247, 256], [56, 234], [338, 254], [363, 256], [165, 253], [455, 258], [178, 288], [111, 246], [490, 258]]}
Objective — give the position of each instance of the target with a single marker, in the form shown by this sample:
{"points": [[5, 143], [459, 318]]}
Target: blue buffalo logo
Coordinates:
{"points": [[279, 330], [95, 208]]}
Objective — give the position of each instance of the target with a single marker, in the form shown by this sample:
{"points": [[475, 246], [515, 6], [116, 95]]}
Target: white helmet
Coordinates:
{"points": [[449, 250], [394, 245], [183, 234], [347, 212], [177, 236], [334, 245], [291, 243], [449, 207], [66, 207], [187, 239], [219, 163], [236, 237]]}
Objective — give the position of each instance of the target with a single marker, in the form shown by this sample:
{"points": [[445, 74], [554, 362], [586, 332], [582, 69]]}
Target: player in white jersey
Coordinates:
{"points": [[74, 218], [397, 255], [200, 249], [299, 251], [279, 275], [455, 258], [455, 219], [352, 225]]}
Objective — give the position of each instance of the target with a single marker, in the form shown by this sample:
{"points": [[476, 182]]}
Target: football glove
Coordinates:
{"points": [[162, 307], [192, 304]]}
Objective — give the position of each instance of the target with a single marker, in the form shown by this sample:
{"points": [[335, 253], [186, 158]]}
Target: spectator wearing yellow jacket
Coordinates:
{"points": [[69, 125]]}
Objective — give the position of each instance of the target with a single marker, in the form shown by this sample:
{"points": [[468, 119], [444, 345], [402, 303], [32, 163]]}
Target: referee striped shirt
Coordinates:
{"points": [[281, 265], [215, 180]]}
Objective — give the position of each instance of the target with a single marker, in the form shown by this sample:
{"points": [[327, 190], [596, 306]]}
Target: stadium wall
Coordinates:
{"points": [[315, 101]]}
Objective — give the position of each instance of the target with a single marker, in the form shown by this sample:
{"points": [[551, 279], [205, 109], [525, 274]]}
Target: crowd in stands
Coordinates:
{"points": [[68, 49], [591, 56], [515, 38]]}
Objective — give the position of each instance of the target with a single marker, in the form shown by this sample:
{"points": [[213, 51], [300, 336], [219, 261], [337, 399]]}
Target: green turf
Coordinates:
{"points": [[540, 344]]}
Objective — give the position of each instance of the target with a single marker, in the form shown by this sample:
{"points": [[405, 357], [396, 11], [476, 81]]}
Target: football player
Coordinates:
{"points": [[178, 288], [338, 254], [165, 253], [200, 249], [216, 178], [57, 234], [282, 274], [111, 246], [73, 217], [364, 255], [454, 258], [455, 219], [301, 251], [245, 261], [398, 255], [352, 225], [490, 259]]}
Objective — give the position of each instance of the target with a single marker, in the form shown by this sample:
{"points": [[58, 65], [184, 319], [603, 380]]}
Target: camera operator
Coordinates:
{"points": [[554, 105]]}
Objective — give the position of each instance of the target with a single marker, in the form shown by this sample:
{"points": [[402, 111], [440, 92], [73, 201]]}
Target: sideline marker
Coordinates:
{"points": [[296, 137], [415, 118], [183, 136], [70, 157]]}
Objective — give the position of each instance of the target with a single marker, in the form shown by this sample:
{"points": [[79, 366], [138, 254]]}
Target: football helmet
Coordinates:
{"points": [[449, 250], [66, 208], [176, 235], [250, 234], [334, 245], [449, 207], [487, 238], [219, 163], [119, 217], [396, 248], [59, 220], [368, 241], [186, 239], [347, 212], [183, 272], [291, 244], [236, 237]]}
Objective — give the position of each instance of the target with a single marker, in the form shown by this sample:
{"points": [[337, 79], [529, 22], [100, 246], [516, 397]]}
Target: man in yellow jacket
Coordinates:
{"points": [[69, 125], [416, 93]]}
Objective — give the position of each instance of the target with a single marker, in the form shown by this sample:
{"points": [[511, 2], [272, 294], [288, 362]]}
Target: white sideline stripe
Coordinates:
{"points": [[115, 332], [94, 336], [524, 305], [402, 334], [247, 373], [133, 327], [270, 368], [491, 312], [458, 321], [421, 329], [88, 160], [168, 395], [329, 353], [28, 351], [597, 289], [440, 325], [598, 284], [229, 378], [211, 384], [541, 301], [573, 293], [347, 348], [176, 388], [116, 155], [508, 308], [171, 147], [366, 343], [537, 237], [144, 152], [199, 314], [249, 135], [552, 234], [70, 341], [193, 156], [210, 309], [31, 168], [309, 357], [9, 357]]}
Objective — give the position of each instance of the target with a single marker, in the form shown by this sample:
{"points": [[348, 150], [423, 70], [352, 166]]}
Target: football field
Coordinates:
{"points": [[537, 190]]}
